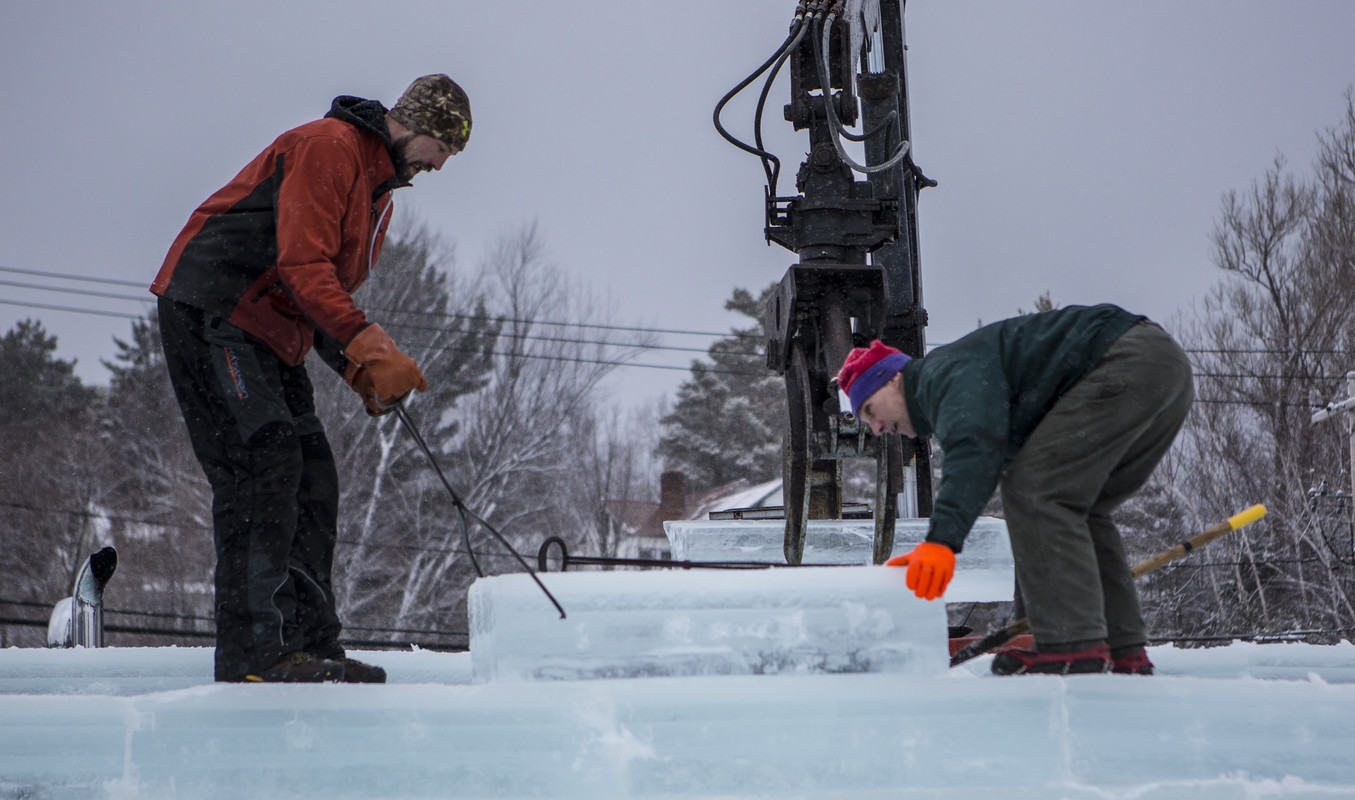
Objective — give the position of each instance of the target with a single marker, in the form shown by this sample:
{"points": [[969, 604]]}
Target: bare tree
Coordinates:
{"points": [[513, 358], [1274, 337], [394, 526], [614, 467], [541, 455]]}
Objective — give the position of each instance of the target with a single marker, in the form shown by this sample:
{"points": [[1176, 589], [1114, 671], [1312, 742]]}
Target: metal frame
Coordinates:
{"points": [[859, 275]]}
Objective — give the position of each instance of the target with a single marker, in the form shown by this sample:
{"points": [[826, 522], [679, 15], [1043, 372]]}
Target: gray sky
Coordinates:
{"points": [[1082, 148]]}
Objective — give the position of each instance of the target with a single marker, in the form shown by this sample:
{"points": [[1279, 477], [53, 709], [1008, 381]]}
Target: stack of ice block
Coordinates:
{"points": [[629, 624], [983, 570]]}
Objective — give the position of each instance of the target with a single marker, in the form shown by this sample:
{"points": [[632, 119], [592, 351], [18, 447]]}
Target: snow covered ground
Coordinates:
{"points": [[1243, 721]]}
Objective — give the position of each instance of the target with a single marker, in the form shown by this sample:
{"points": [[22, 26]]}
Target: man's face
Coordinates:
{"points": [[886, 412], [418, 153]]}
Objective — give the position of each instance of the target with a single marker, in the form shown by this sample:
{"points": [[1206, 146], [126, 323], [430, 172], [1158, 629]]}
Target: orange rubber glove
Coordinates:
{"points": [[930, 568], [378, 371]]}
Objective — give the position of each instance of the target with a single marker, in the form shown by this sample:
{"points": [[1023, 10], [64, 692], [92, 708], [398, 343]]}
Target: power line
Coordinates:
{"points": [[564, 359], [532, 337], [200, 526], [1264, 352], [600, 326], [85, 292], [444, 314], [1268, 403], [559, 340], [490, 318], [406, 325], [201, 618], [50, 307], [109, 517], [570, 359], [454, 641], [1248, 376], [69, 276]]}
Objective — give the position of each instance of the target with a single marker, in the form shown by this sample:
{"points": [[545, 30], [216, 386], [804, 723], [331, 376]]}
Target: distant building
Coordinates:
{"points": [[639, 524]]}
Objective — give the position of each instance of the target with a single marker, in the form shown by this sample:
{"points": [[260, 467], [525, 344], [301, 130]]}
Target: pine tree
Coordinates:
{"points": [[154, 490], [729, 416], [48, 451]]}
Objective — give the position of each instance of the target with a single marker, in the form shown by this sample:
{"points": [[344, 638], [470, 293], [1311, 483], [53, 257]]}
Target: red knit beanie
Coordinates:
{"points": [[867, 370]]}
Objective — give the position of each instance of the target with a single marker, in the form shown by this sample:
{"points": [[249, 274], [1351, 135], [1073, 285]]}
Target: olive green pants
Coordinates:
{"points": [[1093, 449]]}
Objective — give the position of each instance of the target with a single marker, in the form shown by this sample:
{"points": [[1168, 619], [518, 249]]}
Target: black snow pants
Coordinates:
{"points": [[275, 490]]}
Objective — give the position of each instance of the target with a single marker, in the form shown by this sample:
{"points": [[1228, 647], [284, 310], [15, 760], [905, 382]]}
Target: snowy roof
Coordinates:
{"points": [[763, 494], [646, 517]]}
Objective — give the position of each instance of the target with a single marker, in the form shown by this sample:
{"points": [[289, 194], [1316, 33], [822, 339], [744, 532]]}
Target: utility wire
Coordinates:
{"points": [[71, 277], [86, 292], [511, 554], [201, 618], [200, 526], [563, 359], [710, 370], [560, 340], [50, 307], [446, 314], [492, 318], [405, 325]]}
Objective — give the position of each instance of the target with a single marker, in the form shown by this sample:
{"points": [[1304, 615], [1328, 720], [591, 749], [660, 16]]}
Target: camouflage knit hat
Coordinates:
{"points": [[435, 106]]}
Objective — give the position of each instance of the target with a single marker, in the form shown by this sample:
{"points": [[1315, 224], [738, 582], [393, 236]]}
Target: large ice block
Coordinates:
{"points": [[983, 570], [703, 622]]}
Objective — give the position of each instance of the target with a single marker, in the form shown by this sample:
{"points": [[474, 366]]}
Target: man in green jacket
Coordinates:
{"points": [[1068, 411]]}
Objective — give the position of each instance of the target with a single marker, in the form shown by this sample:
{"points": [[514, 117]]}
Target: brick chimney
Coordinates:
{"points": [[672, 495]]}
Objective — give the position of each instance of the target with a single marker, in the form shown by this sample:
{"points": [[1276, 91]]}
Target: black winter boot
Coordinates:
{"points": [[299, 667]]}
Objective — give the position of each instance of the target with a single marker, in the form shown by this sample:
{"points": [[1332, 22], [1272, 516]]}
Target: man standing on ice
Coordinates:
{"points": [[1069, 411], [264, 271]]}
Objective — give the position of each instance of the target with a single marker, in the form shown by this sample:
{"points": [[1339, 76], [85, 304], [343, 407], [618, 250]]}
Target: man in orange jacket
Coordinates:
{"points": [[263, 272]]}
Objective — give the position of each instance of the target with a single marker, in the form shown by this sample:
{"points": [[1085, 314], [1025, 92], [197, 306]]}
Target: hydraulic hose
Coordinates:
{"points": [[822, 46], [797, 32]]}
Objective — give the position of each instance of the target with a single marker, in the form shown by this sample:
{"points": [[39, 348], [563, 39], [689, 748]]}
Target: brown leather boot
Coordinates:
{"points": [[355, 671]]}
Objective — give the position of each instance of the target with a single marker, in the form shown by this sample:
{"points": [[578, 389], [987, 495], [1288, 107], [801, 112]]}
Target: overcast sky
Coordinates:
{"points": [[1082, 148]]}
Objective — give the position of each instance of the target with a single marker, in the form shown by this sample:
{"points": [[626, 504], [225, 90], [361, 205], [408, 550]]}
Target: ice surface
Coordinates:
{"points": [[1282, 731], [984, 570], [1242, 722], [704, 622]]}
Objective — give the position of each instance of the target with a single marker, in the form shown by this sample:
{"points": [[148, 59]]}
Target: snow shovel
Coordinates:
{"points": [[1001, 636]]}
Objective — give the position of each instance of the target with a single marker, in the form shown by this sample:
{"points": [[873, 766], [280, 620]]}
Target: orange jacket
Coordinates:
{"points": [[280, 249]]}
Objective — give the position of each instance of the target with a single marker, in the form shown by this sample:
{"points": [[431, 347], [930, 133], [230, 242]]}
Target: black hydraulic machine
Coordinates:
{"points": [[853, 224]]}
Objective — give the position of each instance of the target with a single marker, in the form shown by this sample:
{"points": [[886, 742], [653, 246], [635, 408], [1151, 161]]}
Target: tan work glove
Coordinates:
{"points": [[379, 372]]}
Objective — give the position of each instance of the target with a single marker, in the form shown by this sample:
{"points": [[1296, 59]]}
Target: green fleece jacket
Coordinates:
{"points": [[982, 396]]}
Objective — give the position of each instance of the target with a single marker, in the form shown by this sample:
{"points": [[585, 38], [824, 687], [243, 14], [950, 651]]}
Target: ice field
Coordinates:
{"points": [[828, 682]]}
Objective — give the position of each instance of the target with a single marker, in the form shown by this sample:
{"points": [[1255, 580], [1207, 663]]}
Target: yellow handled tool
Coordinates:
{"points": [[1001, 636]]}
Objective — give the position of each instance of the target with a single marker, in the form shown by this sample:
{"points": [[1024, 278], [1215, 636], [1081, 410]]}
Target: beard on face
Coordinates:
{"points": [[405, 168]]}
